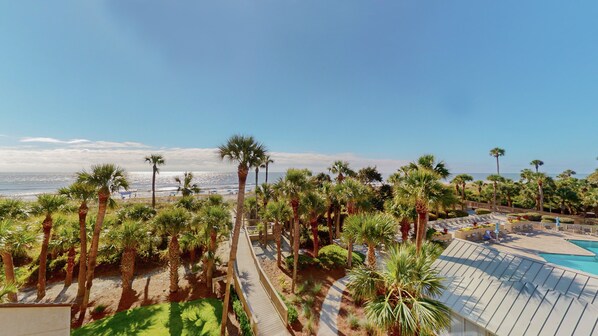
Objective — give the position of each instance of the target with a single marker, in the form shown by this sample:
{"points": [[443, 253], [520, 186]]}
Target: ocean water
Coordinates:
{"points": [[28, 185]]}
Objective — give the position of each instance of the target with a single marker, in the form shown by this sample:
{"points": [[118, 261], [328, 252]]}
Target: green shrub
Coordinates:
{"points": [[333, 256], [292, 314], [548, 219], [353, 322], [481, 211], [457, 213], [99, 309], [432, 216], [242, 318], [303, 262], [567, 220], [534, 216]]}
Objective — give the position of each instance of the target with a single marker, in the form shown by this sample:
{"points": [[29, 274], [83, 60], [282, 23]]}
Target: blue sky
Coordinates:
{"points": [[374, 81]]}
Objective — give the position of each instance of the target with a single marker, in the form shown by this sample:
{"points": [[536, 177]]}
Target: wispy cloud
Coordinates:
{"points": [[53, 140], [83, 143]]}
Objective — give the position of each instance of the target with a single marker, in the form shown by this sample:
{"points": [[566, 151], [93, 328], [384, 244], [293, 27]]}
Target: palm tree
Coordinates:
{"points": [[265, 164], [496, 152], [246, 152], [313, 205], [461, 180], [295, 183], [401, 298], [14, 239], [537, 164], [372, 230], [423, 188], [173, 222], [278, 212], [404, 211], [154, 160], [509, 189], [47, 204], [327, 189], [265, 192], [106, 179], [341, 169], [128, 238], [186, 187], [479, 184], [6, 290], [13, 208], [428, 162], [566, 174], [216, 222], [369, 175], [83, 193], [66, 238], [495, 179]]}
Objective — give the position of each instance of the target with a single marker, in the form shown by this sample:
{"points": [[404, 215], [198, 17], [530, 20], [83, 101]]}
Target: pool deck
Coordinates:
{"points": [[544, 242]]}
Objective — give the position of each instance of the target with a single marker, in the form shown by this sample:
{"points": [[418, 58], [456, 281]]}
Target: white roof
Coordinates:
{"points": [[514, 295]]}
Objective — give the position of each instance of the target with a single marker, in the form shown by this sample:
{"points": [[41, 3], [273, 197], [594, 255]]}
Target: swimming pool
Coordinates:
{"points": [[587, 264]]}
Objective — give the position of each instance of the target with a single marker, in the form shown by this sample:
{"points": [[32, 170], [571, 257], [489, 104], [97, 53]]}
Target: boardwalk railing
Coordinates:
{"points": [[250, 314], [281, 308], [501, 208]]}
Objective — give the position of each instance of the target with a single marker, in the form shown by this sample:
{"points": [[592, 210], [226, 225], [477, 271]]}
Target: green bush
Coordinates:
{"points": [[333, 256], [482, 211], [534, 216], [457, 213], [303, 262], [242, 318], [432, 216], [567, 220], [292, 314], [548, 219]]}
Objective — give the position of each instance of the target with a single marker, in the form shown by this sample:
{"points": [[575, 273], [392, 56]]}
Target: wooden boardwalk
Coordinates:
{"points": [[269, 322]]}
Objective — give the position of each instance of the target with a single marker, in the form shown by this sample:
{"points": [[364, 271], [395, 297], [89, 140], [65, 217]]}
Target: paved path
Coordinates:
{"points": [[268, 321], [331, 307]]}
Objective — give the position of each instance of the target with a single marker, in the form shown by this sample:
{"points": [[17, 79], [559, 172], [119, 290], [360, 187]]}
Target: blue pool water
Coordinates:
{"points": [[587, 264]]}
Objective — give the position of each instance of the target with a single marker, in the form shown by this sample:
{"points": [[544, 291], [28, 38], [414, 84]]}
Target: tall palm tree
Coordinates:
{"points": [[155, 160], [495, 179], [106, 179], [186, 185], [246, 152], [295, 183], [48, 205], [14, 239], [81, 192], [129, 238], [423, 188], [173, 222], [266, 164], [428, 162], [404, 211], [537, 164], [313, 205], [341, 169], [496, 152], [372, 229], [278, 212], [216, 223], [401, 298]]}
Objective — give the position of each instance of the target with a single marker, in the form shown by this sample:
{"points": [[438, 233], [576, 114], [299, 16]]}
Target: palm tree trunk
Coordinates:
{"points": [[295, 206], [266, 172], [337, 221], [314, 232], [211, 256], [82, 252], [173, 261], [371, 256], [494, 197], [278, 235], [43, 257], [422, 217], [192, 255], [70, 265], [541, 194], [405, 227], [154, 187], [497, 166], [329, 223], [9, 273], [127, 268], [93, 252], [242, 174], [257, 170]]}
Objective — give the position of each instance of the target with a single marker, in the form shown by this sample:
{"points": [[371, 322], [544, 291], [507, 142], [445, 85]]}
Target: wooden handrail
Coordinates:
{"points": [[252, 318]]}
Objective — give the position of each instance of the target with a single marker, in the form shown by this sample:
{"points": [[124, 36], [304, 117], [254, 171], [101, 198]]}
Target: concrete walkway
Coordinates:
{"points": [[331, 307], [268, 321]]}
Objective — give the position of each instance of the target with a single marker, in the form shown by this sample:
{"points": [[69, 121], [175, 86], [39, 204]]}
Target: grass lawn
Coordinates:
{"points": [[199, 317]]}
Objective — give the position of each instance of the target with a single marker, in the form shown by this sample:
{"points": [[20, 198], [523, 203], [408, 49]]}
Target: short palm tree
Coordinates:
{"points": [[186, 185], [155, 160], [216, 223], [264, 194], [295, 184], [48, 205], [400, 299], [372, 229], [313, 205], [479, 184], [246, 152], [129, 238], [404, 211], [13, 209], [66, 239], [173, 222], [105, 179], [5, 291], [495, 179], [497, 152], [566, 174], [82, 193], [14, 239], [266, 164], [461, 180], [537, 164], [327, 189], [278, 212]]}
